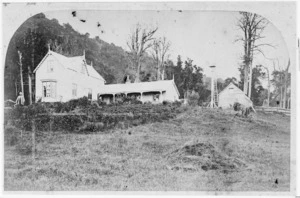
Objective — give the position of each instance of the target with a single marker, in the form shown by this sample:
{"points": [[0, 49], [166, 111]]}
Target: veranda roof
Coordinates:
{"points": [[154, 86]]}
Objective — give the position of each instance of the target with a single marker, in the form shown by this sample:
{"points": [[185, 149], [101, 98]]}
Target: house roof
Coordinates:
{"points": [[231, 85], [236, 90], [73, 63], [162, 85]]}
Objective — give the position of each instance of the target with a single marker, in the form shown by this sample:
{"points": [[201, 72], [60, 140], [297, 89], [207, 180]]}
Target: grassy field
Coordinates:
{"points": [[200, 150]]}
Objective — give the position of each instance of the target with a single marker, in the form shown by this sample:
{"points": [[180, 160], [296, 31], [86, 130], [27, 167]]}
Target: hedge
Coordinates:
{"points": [[90, 118]]}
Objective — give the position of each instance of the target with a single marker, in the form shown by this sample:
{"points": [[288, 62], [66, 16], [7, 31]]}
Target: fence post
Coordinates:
{"points": [[33, 138], [51, 123]]}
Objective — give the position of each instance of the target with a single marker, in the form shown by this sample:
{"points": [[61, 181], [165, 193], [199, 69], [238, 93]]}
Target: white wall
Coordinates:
{"points": [[227, 99], [171, 94]]}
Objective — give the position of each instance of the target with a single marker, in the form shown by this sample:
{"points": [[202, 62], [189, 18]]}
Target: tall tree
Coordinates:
{"points": [[258, 92], [191, 77], [160, 54], [21, 71], [138, 43], [252, 26], [267, 76], [286, 83], [281, 82], [230, 80]]}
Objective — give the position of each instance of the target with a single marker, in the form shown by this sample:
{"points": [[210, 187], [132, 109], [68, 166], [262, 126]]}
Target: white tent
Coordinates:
{"points": [[232, 94]]}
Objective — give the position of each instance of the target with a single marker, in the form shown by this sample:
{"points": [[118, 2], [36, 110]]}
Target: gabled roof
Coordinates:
{"points": [[236, 90], [231, 85], [139, 87], [72, 63]]}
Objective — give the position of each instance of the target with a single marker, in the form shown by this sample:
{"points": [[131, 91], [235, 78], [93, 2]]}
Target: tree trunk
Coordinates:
{"points": [[158, 71], [137, 76], [246, 79], [284, 92], [285, 85], [16, 87], [21, 72], [281, 98], [163, 75], [29, 71], [29, 87], [268, 90], [250, 82]]}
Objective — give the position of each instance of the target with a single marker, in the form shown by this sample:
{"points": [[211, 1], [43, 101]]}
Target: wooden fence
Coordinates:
{"points": [[273, 109]]}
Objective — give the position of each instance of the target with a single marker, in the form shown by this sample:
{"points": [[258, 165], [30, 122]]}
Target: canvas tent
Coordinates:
{"points": [[232, 94]]}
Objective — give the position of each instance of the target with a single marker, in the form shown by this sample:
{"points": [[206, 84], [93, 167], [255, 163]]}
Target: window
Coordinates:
{"points": [[74, 90], [49, 89], [50, 67], [90, 94]]}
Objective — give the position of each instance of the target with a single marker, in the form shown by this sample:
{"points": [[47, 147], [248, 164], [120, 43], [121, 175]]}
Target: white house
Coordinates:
{"points": [[154, 92], [61, 78], [232, 94]]}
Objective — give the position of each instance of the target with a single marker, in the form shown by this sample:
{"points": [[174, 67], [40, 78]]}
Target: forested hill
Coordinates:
{"points": [[32, 39]]}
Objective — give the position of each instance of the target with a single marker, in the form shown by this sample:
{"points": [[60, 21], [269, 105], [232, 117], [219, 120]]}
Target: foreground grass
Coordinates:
{"points": [[138, 158]]}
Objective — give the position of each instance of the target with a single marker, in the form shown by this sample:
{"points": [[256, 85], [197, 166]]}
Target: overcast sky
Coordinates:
{"points": [[206, 37]]}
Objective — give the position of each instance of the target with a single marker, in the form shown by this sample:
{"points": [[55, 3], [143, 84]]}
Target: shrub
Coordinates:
{"points": [[166, 102], [91, 126], [237, 106], [11, 135], [67, 122], [94, 119], [83, 102], [131, 100], [193, 98], [177, 103], [24, 147], [58, 107], [101, 103], [95, 104]]}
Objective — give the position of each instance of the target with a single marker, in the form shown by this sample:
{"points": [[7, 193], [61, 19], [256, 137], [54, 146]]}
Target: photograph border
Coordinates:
{"points": [[282, 14]]}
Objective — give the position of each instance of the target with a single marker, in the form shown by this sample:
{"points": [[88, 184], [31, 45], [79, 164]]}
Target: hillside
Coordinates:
{"points": [[199, 150], [32, 39]]}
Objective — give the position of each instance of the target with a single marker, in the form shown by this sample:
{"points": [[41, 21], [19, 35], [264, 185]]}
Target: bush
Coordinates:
{"points": [[91, 126], [131, 100], [67, 122], [24, 147], [177, 103], [93, 119], [58, 107], [193, 98], [11, 135], [166, 102], [237, 106], [101, 103]]}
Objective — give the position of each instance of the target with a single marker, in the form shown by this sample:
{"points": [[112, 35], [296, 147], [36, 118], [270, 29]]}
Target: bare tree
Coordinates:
{"points": [[269, 83], [160, 49], [138, 43], [281, 82], [21, 72], [286, 72], [33, 38], [252, 26]]}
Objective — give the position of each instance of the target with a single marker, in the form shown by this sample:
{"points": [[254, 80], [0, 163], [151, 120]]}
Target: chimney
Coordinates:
{"points": [[128, 80]]}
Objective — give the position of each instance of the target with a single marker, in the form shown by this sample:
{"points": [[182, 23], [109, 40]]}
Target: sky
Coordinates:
{"points": [[207, 37]]}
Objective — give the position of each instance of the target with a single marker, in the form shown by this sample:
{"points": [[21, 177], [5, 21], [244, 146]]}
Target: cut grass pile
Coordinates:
{"points": [[199, 150], [197, 155]]}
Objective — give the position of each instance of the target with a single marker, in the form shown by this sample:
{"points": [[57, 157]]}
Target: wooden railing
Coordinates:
{"points": [[273, 109]]}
